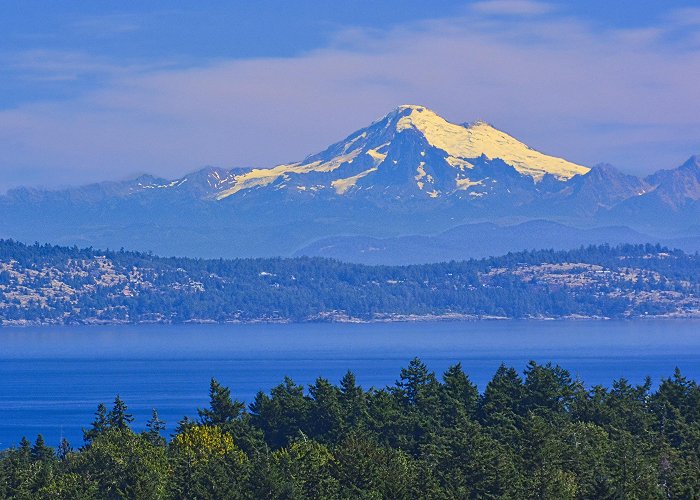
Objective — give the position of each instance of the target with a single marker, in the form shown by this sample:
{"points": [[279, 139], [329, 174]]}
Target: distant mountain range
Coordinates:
{"points": [[411, 184], [482, 240]]}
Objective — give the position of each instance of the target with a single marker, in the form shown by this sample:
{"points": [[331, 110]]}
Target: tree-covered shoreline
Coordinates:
{"points": [[539, 434], [50, 285]]}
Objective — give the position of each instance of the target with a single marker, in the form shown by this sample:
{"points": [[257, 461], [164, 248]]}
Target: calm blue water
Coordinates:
{"points": [[51, 379]]}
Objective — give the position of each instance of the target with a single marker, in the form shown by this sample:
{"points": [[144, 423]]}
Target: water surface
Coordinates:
{"points": [[51, 379]]}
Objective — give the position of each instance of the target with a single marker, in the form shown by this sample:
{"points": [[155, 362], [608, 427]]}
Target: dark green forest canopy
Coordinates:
{"points": [[44, 284], [536, 434]]}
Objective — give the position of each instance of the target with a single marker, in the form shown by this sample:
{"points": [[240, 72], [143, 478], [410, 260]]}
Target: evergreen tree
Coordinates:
{"points": [[501, 404], [326, 416], [64, 449], [417, 392], [471, 464], [365, 469], [308, 469], [41, 452], [184, 424], [628, 406], [414, 381], [99, 425], [118, 417], [352, 401], [548, 390], [24, 452], [154, 428], [222, 409], [458, 395], [282, 414], [123, 465]]}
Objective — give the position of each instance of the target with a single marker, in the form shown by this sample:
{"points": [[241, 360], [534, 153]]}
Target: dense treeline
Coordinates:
{"points": [[50, 284], [542, 435]]}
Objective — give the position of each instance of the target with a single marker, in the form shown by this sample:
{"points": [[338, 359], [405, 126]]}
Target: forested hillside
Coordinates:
{"points": [[43, 284], [543, 435]]}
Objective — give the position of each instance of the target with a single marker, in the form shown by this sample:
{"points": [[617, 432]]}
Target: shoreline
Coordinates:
{"points": [[467, 318]]}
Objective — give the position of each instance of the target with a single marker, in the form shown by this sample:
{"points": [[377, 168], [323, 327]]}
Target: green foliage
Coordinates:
{"points": [[365, 469], [117, 418], [307, 467], [540, 435], [123, 465], [283, 413], [207, 464]]}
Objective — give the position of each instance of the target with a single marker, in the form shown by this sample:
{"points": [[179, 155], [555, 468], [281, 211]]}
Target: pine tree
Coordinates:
{"points": [[548, 390], [458, 394], [501, 404], [25, 449], [184, 424], [415, 378], [352, 401], [154, 427], [41, 452], [64, 449], [326, 414], [99, 424], [118, 417], [282, 414], [222, 409]]}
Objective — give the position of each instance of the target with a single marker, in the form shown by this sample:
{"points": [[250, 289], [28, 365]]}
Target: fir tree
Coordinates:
{"points": [[64, 449], [414, 380], [41, 452], [118, 417], [25, 449], [184, 424], [458, 394], [222, 409], [99, 424], [154, 427]]}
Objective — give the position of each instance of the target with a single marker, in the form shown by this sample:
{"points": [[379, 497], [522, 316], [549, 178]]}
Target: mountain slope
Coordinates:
{"points": [[678, 187], [600, 189], [671, 200]]}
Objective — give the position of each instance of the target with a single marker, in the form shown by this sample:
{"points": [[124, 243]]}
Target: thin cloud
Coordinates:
{"points": [[512, 7], [689, 16], [107, 24], [53, 65]]}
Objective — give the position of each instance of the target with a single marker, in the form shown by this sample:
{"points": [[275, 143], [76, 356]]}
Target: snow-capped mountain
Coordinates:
{"points": [[409, 153], [409, 173]]}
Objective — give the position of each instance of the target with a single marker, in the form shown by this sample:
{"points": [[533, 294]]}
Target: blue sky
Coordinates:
{"points": [[105, 90]]}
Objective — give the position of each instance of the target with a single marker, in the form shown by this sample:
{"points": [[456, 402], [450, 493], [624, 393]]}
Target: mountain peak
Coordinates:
{"points": [[407, 115], [692, 162], [412, 107], [481, 138], [419, 143], [478, 123]]}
